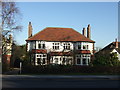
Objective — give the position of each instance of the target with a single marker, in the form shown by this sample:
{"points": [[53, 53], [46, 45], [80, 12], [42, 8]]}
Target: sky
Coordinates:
{"points": [[102, 16]]}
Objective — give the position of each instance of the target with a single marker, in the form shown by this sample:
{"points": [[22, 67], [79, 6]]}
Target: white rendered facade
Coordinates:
{"points": [[54, 51]]}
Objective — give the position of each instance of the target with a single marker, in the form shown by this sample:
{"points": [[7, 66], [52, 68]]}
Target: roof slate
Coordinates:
{"points": [[59, 34]]}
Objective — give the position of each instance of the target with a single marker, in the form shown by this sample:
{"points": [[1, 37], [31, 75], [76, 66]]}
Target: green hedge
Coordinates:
{"points": [[60, 69]]}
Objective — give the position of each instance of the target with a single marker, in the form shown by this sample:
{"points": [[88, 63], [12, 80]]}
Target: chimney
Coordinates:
{"points": [[116, 43], [84, 32], [88, 32], [29, 30]]}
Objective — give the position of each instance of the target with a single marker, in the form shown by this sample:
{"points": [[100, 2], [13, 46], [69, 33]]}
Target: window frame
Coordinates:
{"points": [[41, 57], [41, 45], [66, 46], [56, 46]]}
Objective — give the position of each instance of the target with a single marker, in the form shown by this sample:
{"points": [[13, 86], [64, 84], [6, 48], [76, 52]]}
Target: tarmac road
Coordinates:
{"points": [[52, 81]]}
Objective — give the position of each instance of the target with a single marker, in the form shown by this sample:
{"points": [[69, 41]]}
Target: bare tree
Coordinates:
{"points": [[10, 16], [10, 13]]}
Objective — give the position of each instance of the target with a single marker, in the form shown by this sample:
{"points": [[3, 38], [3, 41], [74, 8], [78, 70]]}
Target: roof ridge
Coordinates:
{"points": [[59, 27]]}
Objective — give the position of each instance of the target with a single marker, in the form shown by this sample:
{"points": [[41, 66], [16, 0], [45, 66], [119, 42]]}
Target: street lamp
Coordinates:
{"points": [[20, 66]]}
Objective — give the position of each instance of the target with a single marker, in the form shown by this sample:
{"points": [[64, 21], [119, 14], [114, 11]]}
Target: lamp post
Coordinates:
{"points": [[20, 66]]}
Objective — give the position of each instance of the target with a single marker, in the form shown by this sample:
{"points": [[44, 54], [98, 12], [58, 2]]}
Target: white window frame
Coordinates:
{"points": [[78, 57], [41, 56], [42, 45], [79, 44], [56, 46], [66, 46]]}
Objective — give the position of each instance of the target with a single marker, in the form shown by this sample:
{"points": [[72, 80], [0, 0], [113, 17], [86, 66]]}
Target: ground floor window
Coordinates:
{"points": [[78, 61], [84, 61], [69, 61], [38, 60], [63, 60], [56, 60], [41, 59]]}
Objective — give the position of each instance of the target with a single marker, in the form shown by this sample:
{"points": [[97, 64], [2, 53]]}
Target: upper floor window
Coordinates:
{"points": [[85, 46], [41, 45], [55, 46], [66, 46], [79, 46]]}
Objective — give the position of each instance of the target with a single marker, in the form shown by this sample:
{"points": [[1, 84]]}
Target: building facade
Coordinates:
{"points": [[62, 46]]}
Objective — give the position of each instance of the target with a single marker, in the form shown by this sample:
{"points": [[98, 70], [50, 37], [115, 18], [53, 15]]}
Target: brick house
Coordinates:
{"points": [[54, 45], [113, 47], [6, 48]]}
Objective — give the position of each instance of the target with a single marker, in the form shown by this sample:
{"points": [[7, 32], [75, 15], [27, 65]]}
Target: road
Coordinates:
{"points": [[12, 81]]}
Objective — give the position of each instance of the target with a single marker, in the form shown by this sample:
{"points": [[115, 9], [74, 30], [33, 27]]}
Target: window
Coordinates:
{"points": [[87, 47], [84, 46], [79, 46], [78, 61], [56, 60], [88, 60], [41, 45], [38, 60], [64, 60], [55, 46], [41, 59], [66, 46], [84, 61]]}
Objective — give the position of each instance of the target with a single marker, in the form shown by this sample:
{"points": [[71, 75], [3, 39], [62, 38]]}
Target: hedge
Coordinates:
{"points": [[62, 69]]}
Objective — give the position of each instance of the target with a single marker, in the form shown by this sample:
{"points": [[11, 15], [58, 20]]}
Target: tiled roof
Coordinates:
{"points": [[109, 48], [39, 51], [59, 34], [83, 51], [61, 53]]}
